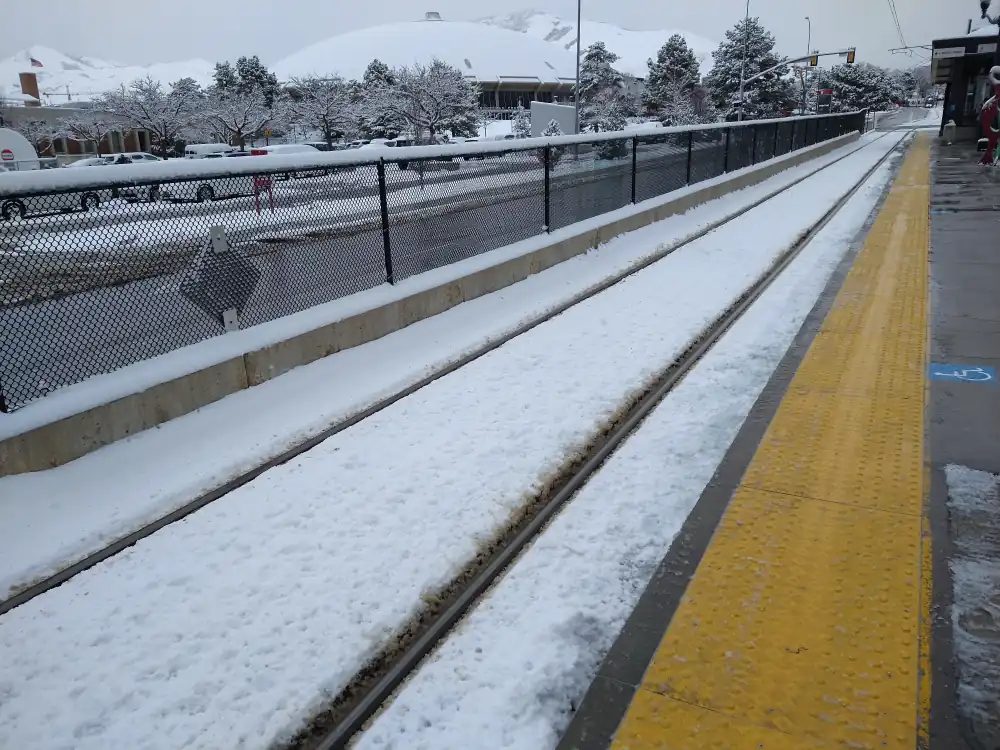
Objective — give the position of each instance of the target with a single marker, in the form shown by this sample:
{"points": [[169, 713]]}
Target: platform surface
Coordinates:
{"points": [[795, 608]]}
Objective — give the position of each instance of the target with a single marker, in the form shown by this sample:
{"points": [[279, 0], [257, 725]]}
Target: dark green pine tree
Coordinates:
{"points": [[674, 71], [763, 97]]}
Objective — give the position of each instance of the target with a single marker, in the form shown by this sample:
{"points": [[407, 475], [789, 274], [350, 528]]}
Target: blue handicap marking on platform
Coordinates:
{"points": [[964, 373]]}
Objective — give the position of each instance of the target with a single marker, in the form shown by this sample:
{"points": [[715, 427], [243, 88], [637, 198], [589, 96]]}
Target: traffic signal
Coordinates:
{"points": [[814, 61], [850, 56]]}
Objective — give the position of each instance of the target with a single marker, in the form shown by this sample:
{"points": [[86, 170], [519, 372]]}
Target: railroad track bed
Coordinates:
{"points": [[336, 571]]}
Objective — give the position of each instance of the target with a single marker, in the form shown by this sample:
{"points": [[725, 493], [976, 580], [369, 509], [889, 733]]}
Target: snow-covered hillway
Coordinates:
{"points": [[232, 627]]}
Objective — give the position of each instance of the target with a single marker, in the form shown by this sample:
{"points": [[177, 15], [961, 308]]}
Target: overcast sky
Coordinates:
{"points": [[138, 31]]}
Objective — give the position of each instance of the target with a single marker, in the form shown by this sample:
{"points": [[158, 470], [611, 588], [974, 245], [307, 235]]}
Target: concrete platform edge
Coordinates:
{"points": [[603, 707], [70, 438]]}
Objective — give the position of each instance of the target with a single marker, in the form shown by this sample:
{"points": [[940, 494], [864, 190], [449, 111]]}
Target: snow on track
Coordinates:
{"points": [[509, 674], [232, 627], [53, 518]]}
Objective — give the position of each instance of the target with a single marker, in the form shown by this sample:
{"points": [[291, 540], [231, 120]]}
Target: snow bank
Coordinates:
{"points": [[974, 523]]}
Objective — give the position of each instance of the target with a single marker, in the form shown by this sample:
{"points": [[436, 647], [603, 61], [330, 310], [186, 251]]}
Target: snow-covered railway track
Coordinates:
{"points": [[362, 699], [29, 592]]}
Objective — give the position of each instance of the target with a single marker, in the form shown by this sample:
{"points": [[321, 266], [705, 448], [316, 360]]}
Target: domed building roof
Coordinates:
{"points": [[483, 52]]}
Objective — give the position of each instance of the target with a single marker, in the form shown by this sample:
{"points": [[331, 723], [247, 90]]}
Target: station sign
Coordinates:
{"points": [[946, 53]]}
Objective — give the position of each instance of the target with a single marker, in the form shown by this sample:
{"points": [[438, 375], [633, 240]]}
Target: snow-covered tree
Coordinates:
{"points": [[604, 100], [39, 133], [861, 87], [555, 152], [764, 96], [372, 122], [145, 104], [249, 75], [91, 125], [671, 81], [904, 84], [520, 126], [323, 104], [428, 98], [235, 116]]}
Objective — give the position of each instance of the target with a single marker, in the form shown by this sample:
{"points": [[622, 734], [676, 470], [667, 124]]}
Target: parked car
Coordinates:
{"points": [[91, 161], [290, 148], [201, 150], [136, 157]]}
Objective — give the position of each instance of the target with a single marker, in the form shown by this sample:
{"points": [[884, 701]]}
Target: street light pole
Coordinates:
{"points": [[576, 88], [805, 75], [746, 48]]}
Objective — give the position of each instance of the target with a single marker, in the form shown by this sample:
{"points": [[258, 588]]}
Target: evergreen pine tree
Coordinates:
{"points": [[520, 126], [378, 124], [673, 74], [604, 101], [763, 97]]}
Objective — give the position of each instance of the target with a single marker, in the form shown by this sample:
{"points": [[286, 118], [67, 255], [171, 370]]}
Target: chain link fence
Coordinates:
{"points": [[94, 279]]}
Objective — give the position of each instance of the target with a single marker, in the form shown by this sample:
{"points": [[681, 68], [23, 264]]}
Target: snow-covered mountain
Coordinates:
{"points": [[633, 47], [87, 77]]}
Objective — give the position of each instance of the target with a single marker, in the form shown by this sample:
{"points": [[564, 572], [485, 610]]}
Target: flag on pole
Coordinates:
{"points": [[36, 64]]}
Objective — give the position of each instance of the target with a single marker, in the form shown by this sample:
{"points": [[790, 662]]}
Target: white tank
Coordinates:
{"points": [[16, 152]]}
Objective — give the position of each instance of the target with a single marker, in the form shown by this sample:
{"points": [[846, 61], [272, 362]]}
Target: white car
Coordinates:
{"points": [[290, 148]]}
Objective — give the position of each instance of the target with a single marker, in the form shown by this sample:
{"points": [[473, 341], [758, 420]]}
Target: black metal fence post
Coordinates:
{"points": [[384, 201], [690, 149], [725, 153], [547, 162], [635, 148], [3, 402], [753, 148], [791, 138], [777, 127]]}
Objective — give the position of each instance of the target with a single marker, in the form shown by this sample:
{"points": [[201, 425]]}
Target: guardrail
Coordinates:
{"points": [[104, 266]]}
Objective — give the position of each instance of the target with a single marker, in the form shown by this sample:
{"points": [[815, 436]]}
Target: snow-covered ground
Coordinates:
{"points": [[231, 627], [105, 495], [510, 673]]}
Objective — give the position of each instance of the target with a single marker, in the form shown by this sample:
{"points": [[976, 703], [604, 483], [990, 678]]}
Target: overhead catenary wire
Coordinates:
{"points": [[895, 20]]}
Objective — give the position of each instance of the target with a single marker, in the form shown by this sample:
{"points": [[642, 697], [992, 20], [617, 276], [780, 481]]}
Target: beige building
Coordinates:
{"points": [[26, 108]]}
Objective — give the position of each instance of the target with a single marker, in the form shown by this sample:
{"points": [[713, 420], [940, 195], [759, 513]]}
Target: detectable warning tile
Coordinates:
{"points": [[802, 619], [660, 723], [850, 449]]}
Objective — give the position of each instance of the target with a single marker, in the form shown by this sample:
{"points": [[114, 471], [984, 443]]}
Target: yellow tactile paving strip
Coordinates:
{"points": [[804, 624]]}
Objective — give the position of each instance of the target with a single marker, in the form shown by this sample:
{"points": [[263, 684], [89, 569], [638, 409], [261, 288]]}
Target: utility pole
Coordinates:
{"points": [[576, 89], [746, 49]]}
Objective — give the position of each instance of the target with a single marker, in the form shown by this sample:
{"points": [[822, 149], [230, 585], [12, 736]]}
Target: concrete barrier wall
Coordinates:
{"points": [[70, 438]]}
